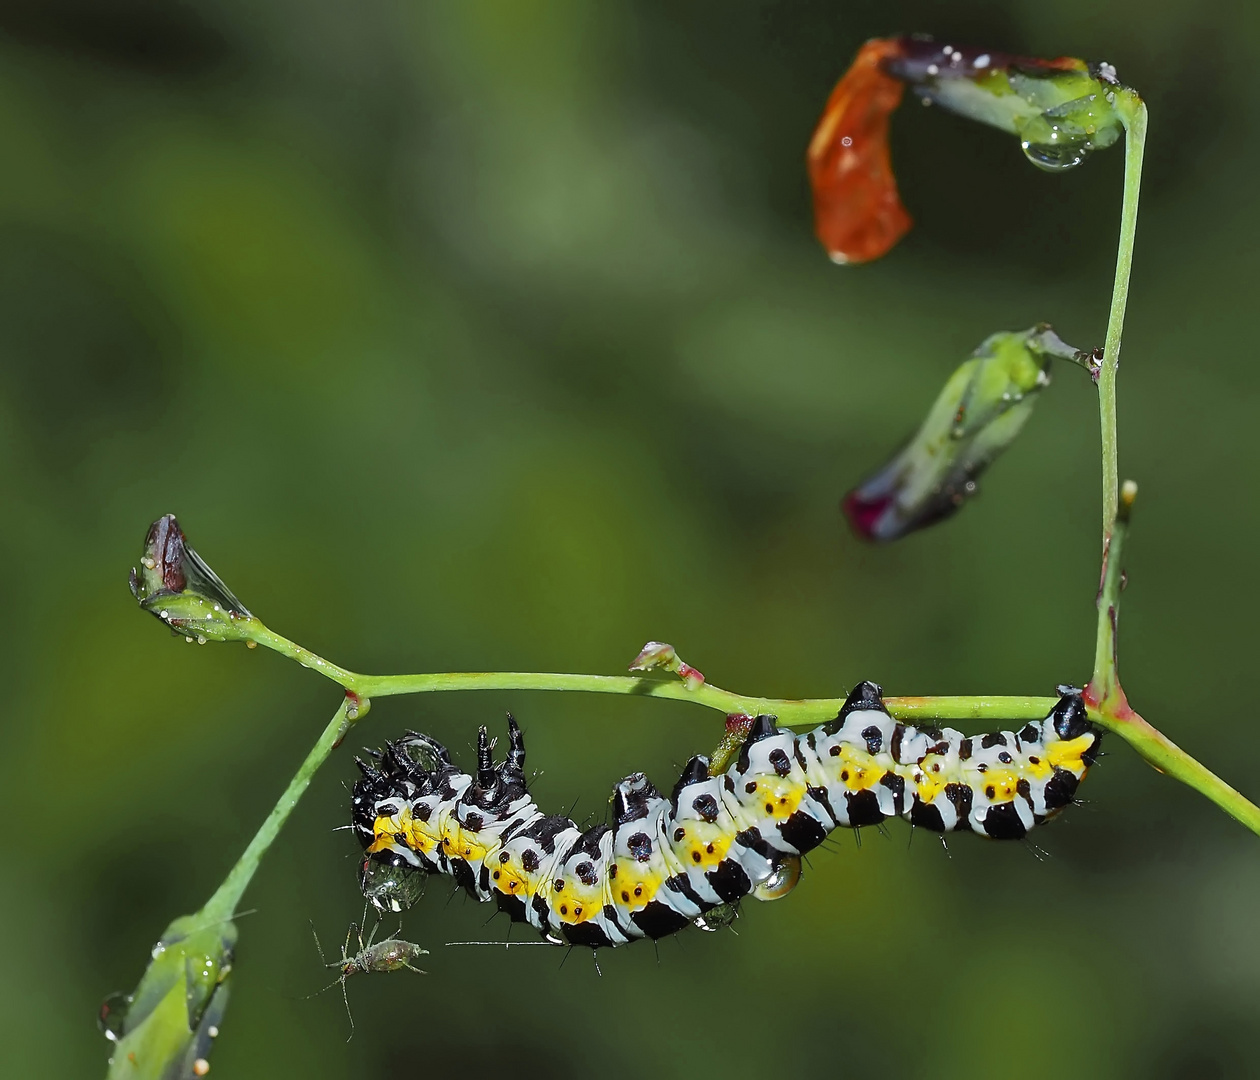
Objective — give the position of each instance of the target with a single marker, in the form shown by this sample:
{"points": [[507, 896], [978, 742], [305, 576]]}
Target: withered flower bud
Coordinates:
{"points": [[174, 584]]}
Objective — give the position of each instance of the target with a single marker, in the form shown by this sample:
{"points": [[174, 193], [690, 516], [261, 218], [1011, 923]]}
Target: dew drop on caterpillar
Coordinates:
{"points": [[666, 862]]}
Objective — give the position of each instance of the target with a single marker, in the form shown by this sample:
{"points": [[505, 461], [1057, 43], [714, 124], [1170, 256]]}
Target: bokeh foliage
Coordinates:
{"points": [[494, 336]]}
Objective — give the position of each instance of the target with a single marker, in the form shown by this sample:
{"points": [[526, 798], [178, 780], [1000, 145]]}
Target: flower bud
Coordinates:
{"points": [[174, 584], [1061, 109], [977, 415], [167, 1027], [659, 655]]}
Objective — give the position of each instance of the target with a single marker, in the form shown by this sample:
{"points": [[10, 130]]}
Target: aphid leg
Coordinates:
{"points": [[319, 949], [349, 1015]]}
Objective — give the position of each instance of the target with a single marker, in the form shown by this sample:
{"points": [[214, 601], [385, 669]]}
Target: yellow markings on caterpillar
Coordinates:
{"points": [[704, 845], [928, 781], [857, 769], [998, 785], [507, 878], [461, 844], [390, 830], [777, 796], [1037, 766], [575, 903], [631, 888], [422, 837], [1067, 755]]}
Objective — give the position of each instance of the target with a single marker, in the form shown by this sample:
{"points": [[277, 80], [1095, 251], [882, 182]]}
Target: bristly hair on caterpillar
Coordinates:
{"points": [[669, 861]]}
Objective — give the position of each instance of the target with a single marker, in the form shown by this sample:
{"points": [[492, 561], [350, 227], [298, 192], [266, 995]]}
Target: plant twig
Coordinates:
{"points": [[790, 711], [1133, 111], [226, 899]]}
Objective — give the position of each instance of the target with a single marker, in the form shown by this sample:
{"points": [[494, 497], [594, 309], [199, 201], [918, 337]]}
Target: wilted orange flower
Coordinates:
{"points": [[857, 212]]}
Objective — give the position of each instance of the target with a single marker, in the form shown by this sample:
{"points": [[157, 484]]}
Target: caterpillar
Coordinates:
{"points": [[666, 862]]}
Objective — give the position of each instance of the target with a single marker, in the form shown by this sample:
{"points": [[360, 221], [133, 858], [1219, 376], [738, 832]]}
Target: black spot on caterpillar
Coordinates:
{"points": [[666, 862]]}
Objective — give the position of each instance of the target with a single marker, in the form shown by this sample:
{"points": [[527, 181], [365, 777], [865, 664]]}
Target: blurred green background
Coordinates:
{"points": [[494, 336]]}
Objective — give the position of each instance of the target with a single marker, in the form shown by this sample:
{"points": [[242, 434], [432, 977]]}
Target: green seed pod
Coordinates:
{"points": [[977, 415], [165, 1029]]}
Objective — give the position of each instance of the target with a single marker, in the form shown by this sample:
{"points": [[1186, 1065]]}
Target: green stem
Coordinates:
{"points": [[1133, 111], [795, 712], [260, 634], [1167, 757], [790, 711], [223, 904]]}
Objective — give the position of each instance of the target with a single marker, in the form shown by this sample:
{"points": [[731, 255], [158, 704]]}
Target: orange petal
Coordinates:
{"points": [[858, 215]]}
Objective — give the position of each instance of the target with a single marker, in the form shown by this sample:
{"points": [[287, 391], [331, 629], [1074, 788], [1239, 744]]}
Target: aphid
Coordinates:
{"points": [[390, 954]]}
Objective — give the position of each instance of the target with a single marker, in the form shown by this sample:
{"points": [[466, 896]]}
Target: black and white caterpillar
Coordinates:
{"points": [[666, 862]]}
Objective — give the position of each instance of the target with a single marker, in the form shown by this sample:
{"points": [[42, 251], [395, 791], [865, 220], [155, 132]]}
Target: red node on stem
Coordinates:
{"points": [[858, 214]]}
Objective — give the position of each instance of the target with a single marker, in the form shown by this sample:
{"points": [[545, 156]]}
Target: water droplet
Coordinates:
{"points": [[112, 1018], [165, 615], [201, 1067], [251, 644], [391, 888], [782, 880], [201, 639], [716, 918], [213, 1031], [1057, 155]]}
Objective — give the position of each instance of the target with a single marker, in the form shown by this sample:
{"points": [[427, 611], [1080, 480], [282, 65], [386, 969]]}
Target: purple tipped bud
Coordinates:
{"points": [[976, 416], [174, 584]]}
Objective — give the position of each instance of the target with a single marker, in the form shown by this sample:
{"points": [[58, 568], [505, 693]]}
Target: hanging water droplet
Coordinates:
{"points": [[112, 1017], [391, 888], [716, 918], [1058, 155], [782, 880]]}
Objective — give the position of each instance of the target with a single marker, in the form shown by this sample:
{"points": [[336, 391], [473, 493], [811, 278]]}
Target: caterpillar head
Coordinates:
{"points": [[1069, 716]]}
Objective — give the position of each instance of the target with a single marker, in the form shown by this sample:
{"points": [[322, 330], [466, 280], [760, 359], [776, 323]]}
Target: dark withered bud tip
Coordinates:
{"points": [[161, 565], [174, 584]]}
